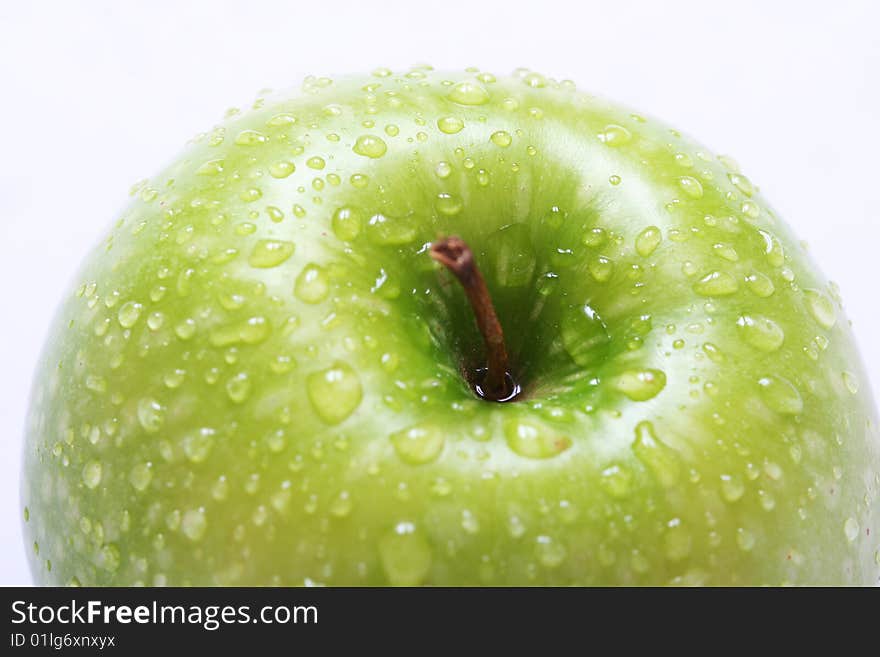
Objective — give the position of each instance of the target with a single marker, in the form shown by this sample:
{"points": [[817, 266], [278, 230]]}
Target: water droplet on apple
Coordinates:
{"points": [[616, 481], [821, 308], [129, 313], [676, 540], [194, 524], [468, 93], [648, 240], [745, 539], [316, 162], [92, 473], [405, 556], [732, 487], [742, 183], [615, 135], [370, 146], [238, 387], [640, 385], [760, 285], [335, 392], [281, 169], [250, 138], [850, 382], [601, 269], [534, 441], [781, 395], [389, 230], [150, 414], [210, 168], [657, 456], [584, 335], [197, 444], [501, 138], [725, 251], [450, 124], [716, 284], [140, 476], [270, 253], [346, 223], [761, 332], [312, 285], [185, 329], [469, 522], [691, 186], [772, 249], [448, 204], [109, 557], [549, 551], [341, 505], [419, 444]]}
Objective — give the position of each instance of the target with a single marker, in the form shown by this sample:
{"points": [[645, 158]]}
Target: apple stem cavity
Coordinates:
{"points": [[494, 382]]}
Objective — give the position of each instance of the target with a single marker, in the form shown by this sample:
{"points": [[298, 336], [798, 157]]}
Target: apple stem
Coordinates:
{"points": [[457, 257]]}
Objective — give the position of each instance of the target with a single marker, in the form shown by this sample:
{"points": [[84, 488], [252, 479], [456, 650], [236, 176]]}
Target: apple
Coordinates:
{"points": [[280, 366]]}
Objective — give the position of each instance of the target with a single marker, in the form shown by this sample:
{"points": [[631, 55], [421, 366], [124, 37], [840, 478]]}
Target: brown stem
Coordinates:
{"points": [[456, 255]]}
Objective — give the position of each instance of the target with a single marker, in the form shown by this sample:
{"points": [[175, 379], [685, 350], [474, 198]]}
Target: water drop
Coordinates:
{"points": [[691, 186], [550, 552], [676, 540], [370, 146], [648, 240], [405, 556], [450, 124], [781, 395], [197, 445], [335, 392], [210, 168], [659, 457], [616, 481], [601, 269], [92, 473], [238, 387], [584, 335], [419, 444], [760, 285], [615, 135], [389, 230], [312, 285], [250, 138], [745, 539], [468, 93], [821, 308], [534, 441], [129, 313], [716, 284], [140, 476], [448, 204], [501, 138], [640, 385], [194, 524], [281, 169], [341, 506], [316, 162], [850, 382], [732, 487], [150, 414], [742, 183], [761, 332], [270, 253]]}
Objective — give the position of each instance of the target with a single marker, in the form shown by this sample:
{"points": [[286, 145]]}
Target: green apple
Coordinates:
{"points": [[262, 375]]}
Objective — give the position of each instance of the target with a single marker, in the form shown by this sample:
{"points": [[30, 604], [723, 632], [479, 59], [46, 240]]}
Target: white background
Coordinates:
{"points": [[96, 95]]}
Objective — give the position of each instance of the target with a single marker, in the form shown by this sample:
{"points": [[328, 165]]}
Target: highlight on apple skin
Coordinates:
{"points": [[261, 376]]}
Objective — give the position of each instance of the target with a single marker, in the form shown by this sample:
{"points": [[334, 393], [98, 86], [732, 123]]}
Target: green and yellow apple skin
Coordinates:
{"points": [[261, 377]]}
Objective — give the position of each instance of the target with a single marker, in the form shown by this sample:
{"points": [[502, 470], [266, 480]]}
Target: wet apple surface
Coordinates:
{"points": [[262, 376]]}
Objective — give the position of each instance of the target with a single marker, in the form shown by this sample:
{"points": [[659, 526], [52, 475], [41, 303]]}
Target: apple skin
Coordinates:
{"points": [[258, 377]]}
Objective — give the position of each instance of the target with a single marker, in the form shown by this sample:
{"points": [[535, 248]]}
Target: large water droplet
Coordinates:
{"points": [[335, 392], [640, 385], [448, 204], [250, 138], [140, 476], [601, 269], [761, 332], [691, 186], [584, 335], [821, 308], [346, 223], [312, 285], [533, 440], [389, 230], [194, 524], [92, 473], [129, 313], [742, 183], [450, 124], [616, 481], [238, 387], [419, 444], [549, 551], [781, 395], [501, 138], [468, 93], [615, 135], [150, 414], [716, 284], [648, 240], [660, 458], [370, 146], [732, 487], [270, 253], [760, 285], [405, 556], [197, 444]]}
